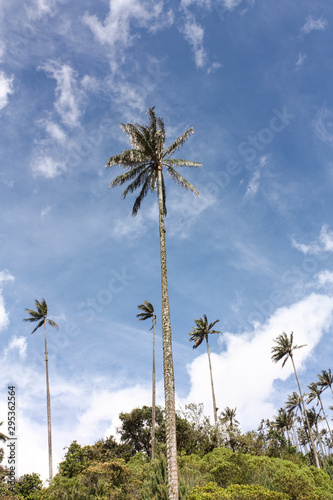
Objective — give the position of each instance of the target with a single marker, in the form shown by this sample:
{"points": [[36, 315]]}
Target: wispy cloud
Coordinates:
{"points": [[4, 317], [69, 97], [300, 60], [324, 243], [18, 344], [194, 35], [6, 88], [253, 184], [116, 30], [314, 25], [324, 125], [325, 278], [40, 8], [46, 166]]}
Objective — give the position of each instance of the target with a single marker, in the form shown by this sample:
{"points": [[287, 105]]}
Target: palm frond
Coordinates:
{"points": [[38, 326], [143, 193], [52, 323], [181, 180], [128, 176], [140, 179], [178, 142], [127, 159], [177, 162]]}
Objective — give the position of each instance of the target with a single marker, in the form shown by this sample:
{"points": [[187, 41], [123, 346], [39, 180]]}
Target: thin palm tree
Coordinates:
{"points": [[200, 333], [315, 393], [284, 350], [149, 313], [326, 380], [40, 315], [144, 164]]}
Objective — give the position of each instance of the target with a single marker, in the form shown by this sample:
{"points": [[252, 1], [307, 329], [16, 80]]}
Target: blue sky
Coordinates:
{"points": [[255, 250]]}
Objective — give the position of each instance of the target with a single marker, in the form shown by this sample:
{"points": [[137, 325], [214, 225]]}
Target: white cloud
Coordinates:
{"points": [[69, 97], [18, 344], [46, 166], [300, 60], [244, 373], [194, 35], [253, 185], [323, 244], [41, 8], [55, 131], [45, 211], [4, 318], [2, 49], [115, 31], [6, 88], [325, 278], [314, 24], [324, 125]]}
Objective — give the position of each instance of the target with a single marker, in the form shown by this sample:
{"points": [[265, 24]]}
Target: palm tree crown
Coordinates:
{"points": [[325, 379], [147, 157], [147, 312], [40, 315], [284, 348], [202, 330]]}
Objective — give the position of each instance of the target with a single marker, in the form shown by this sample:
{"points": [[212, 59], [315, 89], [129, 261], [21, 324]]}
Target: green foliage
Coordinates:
{"points": [[212, 491], [29, 486], [135, 428], [75, 461]]}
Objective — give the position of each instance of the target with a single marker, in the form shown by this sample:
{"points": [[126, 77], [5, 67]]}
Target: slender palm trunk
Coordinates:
{"points": [[305, 415], [169, 379], [153, 398], [211, 381], [322, 409], [48, 403], [319, 441]]}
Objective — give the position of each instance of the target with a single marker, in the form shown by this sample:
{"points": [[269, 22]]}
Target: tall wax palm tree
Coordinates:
{"points": [[198, 335], [144, 164], [40, 315], [315, 393], [284, 350], [326, 380], [149, 313]]}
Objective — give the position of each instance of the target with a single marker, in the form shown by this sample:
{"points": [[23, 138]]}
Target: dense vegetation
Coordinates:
{"points": [[255, 465]]}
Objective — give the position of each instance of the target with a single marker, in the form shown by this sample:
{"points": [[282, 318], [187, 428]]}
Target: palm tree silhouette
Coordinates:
{"points": [[326, 380], [284, 350], [149, 313], [144, 164], [198, 334], [284, 421], [228, 416], [40, 315]]}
